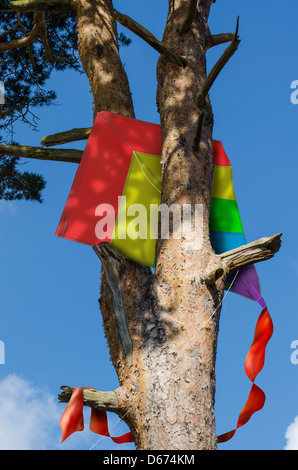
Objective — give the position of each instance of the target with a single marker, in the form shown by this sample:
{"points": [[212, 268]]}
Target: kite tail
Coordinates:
{"points": [[254, 363], [72, 419]]}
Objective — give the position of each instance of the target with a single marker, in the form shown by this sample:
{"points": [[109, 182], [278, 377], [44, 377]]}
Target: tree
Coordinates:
{"points": [[171, 372]]}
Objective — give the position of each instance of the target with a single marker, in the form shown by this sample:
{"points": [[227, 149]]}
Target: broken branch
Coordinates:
{"points": [[40, 153], [113, 263], [223, 60], [259, 250], [189, 17], [217, 39], [245, 255], [67, 136], [148, 37], [107, 401]]}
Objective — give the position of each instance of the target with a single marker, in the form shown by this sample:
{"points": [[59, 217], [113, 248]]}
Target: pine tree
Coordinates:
{"points": [[166, 392]]}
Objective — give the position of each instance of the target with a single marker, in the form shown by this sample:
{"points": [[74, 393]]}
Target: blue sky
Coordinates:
{"points": [[50, 322]]}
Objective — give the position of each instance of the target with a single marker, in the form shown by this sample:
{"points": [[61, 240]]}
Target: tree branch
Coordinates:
{"points": [[212, 277], [25, 41], [245, 255], [143, 33], [259, 250], [107, 401], [39, 5], [113, 264], [12, 30], [39, 153], [66, 136], [44, 40], [217, 39], [210, 79], [189, 17]]}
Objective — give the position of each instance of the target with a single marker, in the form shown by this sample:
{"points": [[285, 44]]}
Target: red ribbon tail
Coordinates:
{"points": [[255, 402], [255, 358], [226, 436], [72, 419], [99, 425], [254, 363]]}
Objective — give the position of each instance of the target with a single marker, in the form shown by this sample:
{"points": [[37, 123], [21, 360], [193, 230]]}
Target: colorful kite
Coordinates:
{"points": [[120, 169], [226, 233], [226, 230]]}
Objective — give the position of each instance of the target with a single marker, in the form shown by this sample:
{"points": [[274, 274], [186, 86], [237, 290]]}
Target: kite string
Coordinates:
{"points": [[118, 133], [131, 407], [134, 153], [227, 291]]}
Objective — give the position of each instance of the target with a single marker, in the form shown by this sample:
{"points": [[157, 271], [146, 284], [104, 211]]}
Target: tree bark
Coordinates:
{"points": [[99, 54], [178, 407]]}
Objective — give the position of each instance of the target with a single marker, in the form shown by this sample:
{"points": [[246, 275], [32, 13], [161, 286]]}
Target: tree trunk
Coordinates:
{"points": [[99, 54], [179, 359], [167, 391]]}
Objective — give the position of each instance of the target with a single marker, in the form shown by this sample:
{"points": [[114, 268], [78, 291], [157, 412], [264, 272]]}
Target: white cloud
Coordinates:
{"points": [[7, 207], [30, 420], [29, 417], [292, 436]]}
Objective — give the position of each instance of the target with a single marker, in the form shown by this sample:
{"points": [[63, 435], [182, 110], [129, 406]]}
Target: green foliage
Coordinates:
{"points": [[123, 40], [25, 73], [16, 185]]}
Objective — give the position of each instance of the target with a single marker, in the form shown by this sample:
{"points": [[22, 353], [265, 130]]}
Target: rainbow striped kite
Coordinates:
{"points": [[226, 233], [226, 230], [121, 167]]}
